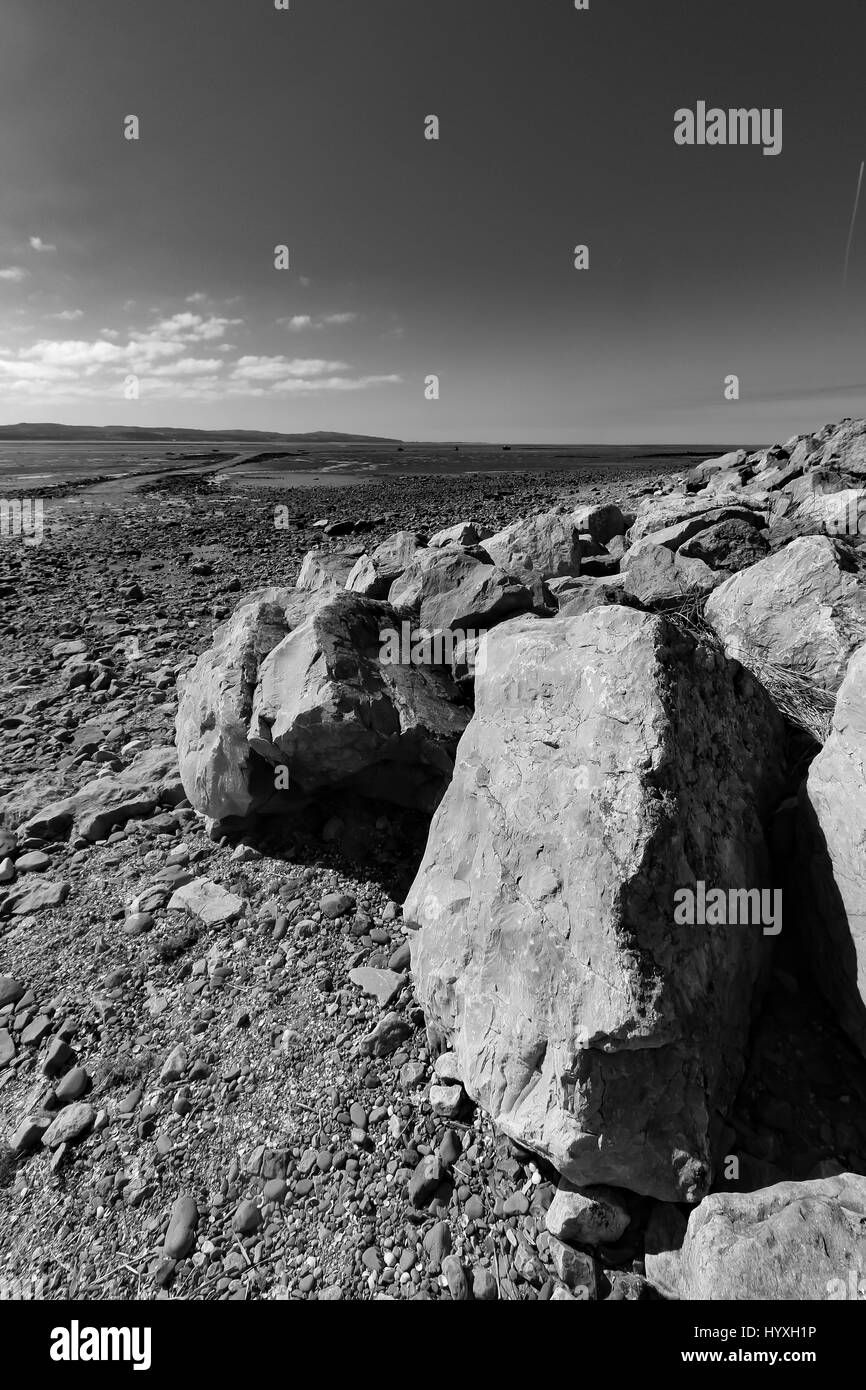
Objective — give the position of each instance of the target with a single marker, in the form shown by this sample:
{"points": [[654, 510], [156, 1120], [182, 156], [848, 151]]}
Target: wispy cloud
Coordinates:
{"points": [[299, 322], [14, 273], [68, 315], [37, 244]]}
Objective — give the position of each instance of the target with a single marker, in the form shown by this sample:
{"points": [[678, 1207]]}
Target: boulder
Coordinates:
{"points": [[609, 763], [674, 536], [547, 545], [675, 508], [299, 682], [800, 612], [373, 575], [832, 843], [215, 701], [465, 533], [814, 511], [728, 466], [657, 576], [730, 546], [795, 1240], [328, 706], [324, 570], [452, 589], [603, 523], [585, 593]]}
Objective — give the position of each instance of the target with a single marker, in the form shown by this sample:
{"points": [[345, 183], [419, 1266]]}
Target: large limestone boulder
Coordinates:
{"points": [[731, 467], [298, 681], [452, 588], [547, 545], [373, 575], [464, 533], [609, 764], [333, 707], [796, 1240], [324, 570], [817, 511], [215, 699], [844, 451], [658, 514], [833, 850], [656, 576], [801, 610], [674, 536], [603, 522]]}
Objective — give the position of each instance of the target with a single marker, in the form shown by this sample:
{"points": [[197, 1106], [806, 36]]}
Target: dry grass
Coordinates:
{"points": [[796, 694]]}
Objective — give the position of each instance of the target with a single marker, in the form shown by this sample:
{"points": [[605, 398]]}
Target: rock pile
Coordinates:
{"points": [[217, 1029]]}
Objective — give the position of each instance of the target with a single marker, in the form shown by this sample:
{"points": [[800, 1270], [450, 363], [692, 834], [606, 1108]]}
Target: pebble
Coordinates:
{"points": [[71, 1124], [247, 1218], [180, 1236]]}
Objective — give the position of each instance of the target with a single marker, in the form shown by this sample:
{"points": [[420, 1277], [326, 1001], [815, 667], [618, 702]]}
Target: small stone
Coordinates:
{"points": [[28, 1135], [37, 1030], [437, 1243], [382, 985], [425, 1180], [10, 991], [455, 1276], [400, 959], [71, 1124], [446, 1101], [587, 1216], [7, 1048], [247, 1219], [446, 1069], [180, 1236], [73, 1085], [208, 901], [275, 1190], [516, 1204], [335, 905], [59, 1055], [412, 1074], [33, 863], [450, 1149], [575, 1269], [137, 923], [174, 1067], [484, 1288]]}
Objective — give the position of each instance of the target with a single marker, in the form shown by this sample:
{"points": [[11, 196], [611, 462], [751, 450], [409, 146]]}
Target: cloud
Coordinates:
{"points": [[163, 356], [70, 315], [335, 383], [299, 322], [275, 368], [37, 244], [14, 273]]}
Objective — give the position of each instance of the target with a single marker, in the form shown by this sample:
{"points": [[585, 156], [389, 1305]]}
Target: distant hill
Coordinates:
{"points": [[108, 434]]}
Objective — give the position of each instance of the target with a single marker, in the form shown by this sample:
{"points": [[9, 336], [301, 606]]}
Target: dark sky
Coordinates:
{"points": [[410, 257]]}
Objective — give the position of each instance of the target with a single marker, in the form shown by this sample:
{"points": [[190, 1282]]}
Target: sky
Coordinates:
{"points": [[148, 266]]}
